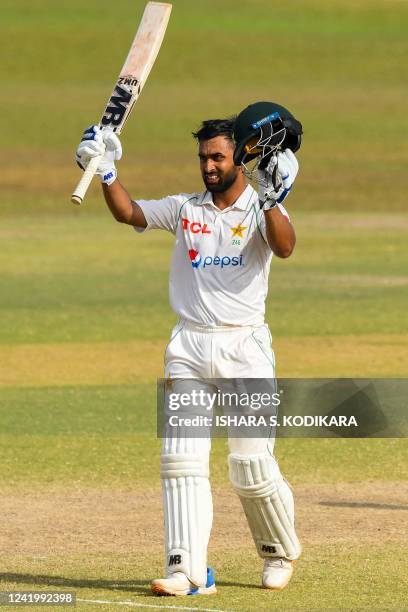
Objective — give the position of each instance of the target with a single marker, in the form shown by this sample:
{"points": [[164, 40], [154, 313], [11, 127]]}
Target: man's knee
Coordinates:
{"points": [[177, 465], [267, 502]]}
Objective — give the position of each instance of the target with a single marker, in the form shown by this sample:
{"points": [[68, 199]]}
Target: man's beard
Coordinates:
{"points": [[224, 184]]}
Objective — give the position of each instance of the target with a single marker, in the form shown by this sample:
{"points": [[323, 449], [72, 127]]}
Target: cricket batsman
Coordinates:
{"points": [[225, 238]]}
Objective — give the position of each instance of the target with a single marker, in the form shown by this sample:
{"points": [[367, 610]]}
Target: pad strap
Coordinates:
{"points": [[268, 504], [187, 514]]}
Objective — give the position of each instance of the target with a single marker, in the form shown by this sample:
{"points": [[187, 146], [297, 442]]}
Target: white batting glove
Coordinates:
{"points": [[276, 180], [100, 142]]}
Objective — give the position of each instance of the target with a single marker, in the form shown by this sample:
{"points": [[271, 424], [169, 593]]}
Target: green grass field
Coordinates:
{"points": [[84, 315]]}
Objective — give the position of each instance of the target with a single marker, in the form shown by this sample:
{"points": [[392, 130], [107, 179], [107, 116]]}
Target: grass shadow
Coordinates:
{"points": [[131, 586], [376, 506], [140, 587]]}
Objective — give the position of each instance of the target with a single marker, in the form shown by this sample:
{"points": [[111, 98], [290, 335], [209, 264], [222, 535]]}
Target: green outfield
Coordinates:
{"points": [[84, 314]]}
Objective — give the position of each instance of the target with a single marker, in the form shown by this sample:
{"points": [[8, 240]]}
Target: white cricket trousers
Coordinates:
{"points": [[196, 352], [222, 352]]}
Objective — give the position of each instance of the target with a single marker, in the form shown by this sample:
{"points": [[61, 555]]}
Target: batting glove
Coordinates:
{"points": [[276, 180], [100, 142]]}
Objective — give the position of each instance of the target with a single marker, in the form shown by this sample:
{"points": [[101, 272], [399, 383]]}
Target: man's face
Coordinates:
{"points": [[217, 165]]}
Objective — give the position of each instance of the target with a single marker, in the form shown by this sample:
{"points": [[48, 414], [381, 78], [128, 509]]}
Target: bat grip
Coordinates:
{"points": [[82, 187]]}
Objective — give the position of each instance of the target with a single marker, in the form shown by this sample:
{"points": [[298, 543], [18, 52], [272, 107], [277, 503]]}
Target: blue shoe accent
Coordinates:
{"points": [[210, 577], [209, 587], [193, 591]]}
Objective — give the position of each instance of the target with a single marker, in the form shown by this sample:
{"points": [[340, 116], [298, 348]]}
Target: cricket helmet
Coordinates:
{"points": [[262, 128]]}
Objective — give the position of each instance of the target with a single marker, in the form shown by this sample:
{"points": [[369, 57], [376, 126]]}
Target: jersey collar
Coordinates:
{"points": [[244, 202]]}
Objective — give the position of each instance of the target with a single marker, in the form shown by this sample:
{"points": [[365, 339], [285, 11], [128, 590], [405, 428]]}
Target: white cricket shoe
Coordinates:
{"points": [[179, 584], [276, 573]]}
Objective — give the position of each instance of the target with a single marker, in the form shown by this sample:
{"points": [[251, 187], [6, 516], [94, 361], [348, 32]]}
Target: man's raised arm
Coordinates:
{"points": [[275, 183], [121, 206], [105, 142], [280, 233]]}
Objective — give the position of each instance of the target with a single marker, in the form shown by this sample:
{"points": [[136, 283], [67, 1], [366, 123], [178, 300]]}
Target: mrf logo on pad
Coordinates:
{"points": [[221, 261]]}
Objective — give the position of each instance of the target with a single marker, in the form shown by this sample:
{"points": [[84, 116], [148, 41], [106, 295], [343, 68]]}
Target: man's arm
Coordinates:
{"points": [[280, 233], [121, 206], [159, 214], [275, 183], [97, 142]]}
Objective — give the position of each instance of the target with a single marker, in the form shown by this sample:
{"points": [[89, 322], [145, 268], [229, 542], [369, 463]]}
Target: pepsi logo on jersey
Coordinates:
{"points": [[195, 258], [222, 261]]}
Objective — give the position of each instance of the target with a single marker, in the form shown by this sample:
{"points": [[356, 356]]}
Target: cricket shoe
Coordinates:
{"points": [[179, 584], [276, 573]]}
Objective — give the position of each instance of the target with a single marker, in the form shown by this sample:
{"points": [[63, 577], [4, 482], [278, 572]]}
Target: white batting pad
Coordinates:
{"points": [[187, 510], [268, 504]]}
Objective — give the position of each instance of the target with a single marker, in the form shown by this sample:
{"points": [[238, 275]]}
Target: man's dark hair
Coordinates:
{"points": [[216, 127]]}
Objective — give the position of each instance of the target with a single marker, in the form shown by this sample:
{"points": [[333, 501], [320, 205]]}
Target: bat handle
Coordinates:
{"points": [[82, 187]]}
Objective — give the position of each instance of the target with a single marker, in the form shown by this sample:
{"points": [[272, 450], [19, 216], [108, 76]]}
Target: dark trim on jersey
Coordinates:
{"points": [[196, 196], [249, 211]]}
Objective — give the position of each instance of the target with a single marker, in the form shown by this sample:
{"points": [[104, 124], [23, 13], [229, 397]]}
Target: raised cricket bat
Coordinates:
{"points": [[132, 77]]}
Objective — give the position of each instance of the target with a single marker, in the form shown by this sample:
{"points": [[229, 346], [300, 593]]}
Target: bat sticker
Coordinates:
{"points": [[132, 78], [117, 106], [128, 81]]}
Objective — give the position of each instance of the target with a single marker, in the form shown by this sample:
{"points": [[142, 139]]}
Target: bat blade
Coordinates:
{"points": [[138, 64]]}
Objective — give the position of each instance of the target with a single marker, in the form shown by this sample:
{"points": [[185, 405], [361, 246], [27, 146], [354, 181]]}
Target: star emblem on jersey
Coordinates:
{"points": [[195, 258], [238, 231]]}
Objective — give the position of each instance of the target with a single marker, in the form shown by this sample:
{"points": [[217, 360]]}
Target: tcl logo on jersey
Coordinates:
{"points": [[195, 227], [223, 261]]}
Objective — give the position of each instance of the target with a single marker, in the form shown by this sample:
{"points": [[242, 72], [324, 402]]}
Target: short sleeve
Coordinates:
{"points": [[163, 214]]}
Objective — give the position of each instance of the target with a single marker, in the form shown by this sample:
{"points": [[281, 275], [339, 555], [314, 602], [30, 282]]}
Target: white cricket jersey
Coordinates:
{"points": [[221, 259]]}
